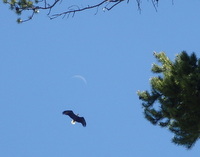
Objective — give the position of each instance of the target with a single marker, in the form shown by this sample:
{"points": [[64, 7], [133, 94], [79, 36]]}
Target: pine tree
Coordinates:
{"points": [[174, 100]]}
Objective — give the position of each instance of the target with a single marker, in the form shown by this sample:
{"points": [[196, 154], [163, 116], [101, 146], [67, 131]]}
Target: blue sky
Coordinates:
{"points": [[113, 51]]}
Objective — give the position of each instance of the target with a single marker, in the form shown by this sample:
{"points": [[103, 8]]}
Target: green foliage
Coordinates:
{"points": [[175, 96], [19, 6], [19, 20]]}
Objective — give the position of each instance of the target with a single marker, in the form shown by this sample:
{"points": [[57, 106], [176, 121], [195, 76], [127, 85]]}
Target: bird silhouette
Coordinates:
{"points": [[75, 118]]}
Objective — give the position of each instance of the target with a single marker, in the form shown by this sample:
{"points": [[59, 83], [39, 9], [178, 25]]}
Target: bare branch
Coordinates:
{"points": [[113, 5], [34, 6], [73, 11]]}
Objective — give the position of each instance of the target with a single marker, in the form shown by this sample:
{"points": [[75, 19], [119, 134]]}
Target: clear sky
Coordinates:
{"points": [[113, 51]]}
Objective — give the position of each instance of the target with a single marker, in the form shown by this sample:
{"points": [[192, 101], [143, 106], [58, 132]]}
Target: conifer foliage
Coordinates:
{"points": [[174, 100]]}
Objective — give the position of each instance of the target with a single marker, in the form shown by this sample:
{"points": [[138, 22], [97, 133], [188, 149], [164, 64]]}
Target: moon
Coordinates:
{"points": [[81, 78]]}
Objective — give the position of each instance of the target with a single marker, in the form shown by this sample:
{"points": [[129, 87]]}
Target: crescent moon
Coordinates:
{"points": [[81, 78]]}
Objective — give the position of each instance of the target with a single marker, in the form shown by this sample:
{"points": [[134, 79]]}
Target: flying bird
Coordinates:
{"points": [[75, 118]]}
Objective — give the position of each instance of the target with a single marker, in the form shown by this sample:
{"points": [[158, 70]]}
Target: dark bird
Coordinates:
{"points": [[75, 118]]}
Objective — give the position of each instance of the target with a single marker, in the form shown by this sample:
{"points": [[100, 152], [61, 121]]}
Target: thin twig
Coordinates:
{"points": [[106, 4], [154, 5], [77, 10]]}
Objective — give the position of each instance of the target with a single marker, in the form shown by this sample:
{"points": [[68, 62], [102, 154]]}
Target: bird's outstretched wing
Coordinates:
{"points": [[83, 122]]}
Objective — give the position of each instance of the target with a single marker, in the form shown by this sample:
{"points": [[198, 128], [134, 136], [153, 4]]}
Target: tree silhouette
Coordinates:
{"points": [[34, 6], [174, 101]]}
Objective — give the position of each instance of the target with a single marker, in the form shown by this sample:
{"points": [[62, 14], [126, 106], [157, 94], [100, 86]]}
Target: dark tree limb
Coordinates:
{"points": [[34, 6], [73, 11]]}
